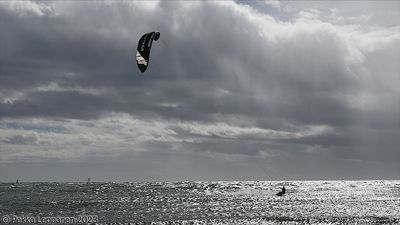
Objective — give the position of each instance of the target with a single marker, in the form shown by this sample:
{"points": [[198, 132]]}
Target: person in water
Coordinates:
{"points": [[282, 192]]}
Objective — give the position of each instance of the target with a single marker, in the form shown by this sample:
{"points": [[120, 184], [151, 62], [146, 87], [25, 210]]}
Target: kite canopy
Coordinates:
{"points": [[143, 49]]}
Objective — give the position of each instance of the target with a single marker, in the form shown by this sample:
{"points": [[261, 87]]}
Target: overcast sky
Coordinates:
{"points": [[245, 90]]}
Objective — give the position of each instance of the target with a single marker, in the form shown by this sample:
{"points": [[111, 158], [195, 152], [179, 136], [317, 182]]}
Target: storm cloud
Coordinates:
{"points": [[234, 90]]}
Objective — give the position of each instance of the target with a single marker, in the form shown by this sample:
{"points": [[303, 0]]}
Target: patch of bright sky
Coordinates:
{"points": [[273, 8], [370, 13]]}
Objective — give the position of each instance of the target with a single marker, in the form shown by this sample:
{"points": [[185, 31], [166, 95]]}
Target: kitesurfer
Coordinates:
{"points": [[282, 192]]}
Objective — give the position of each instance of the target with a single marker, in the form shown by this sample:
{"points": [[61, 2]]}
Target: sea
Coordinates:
{"points": [[202, 202]]}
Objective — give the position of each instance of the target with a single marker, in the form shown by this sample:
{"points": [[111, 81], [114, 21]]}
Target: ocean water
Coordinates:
{"points": [[240, 202]]}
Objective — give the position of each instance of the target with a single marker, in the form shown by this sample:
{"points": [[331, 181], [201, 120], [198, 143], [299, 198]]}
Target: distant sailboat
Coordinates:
{"points": [[88, 181], [17, 181]]}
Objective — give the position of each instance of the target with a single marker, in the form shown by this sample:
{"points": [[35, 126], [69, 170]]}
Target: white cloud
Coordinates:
{"points": [[229, 131], [312, 14], [10, 96], [53, 86], [146, 5], [118, 133], [29, 8], [273, 3]]}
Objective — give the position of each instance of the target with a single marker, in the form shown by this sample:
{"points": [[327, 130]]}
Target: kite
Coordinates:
{"points": [[143, 49]]}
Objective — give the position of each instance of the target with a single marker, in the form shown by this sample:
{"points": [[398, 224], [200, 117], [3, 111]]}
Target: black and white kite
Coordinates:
{"points": [[143, 49]]}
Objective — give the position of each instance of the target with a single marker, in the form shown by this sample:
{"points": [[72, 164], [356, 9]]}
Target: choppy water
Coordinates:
{"points": [[242, 202]]}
